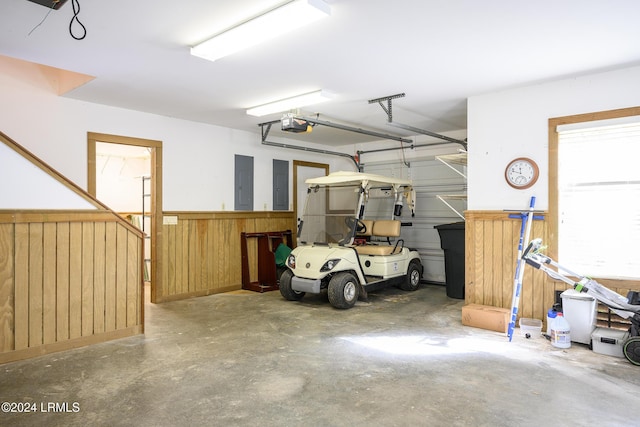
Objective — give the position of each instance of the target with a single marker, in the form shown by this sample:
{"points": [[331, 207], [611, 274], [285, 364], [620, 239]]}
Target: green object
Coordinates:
{"points": [[282, 253]]}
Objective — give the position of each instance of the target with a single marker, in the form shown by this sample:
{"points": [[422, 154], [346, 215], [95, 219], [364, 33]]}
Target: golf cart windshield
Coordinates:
{"points": [[330, 214], [337, 202]]}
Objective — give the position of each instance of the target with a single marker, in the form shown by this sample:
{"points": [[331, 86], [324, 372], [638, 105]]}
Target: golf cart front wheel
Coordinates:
{"points": [[631, 350], [285, 287], [343, 290]]}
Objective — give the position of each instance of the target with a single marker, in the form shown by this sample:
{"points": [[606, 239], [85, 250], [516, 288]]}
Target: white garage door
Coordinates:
{"points": [[430, 178]]}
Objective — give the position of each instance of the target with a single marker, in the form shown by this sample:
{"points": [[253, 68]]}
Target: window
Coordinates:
{"points": [[598, 196]]}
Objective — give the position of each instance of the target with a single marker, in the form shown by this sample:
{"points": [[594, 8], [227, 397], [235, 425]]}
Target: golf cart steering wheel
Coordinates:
{"points": [[360, 226]]}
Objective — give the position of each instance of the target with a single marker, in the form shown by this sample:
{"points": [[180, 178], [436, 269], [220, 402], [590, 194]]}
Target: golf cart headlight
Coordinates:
{"points": [[291, 261], [330, 265]]}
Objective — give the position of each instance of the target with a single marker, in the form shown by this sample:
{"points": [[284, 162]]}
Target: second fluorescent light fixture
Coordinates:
{"points": [[273, 23], [290, 103]]}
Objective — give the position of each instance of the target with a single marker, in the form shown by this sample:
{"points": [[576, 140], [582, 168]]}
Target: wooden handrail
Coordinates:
{"points": [[64, 181]]}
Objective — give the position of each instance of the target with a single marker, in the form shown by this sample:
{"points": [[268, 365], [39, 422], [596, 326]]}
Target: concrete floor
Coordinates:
{"points": [[248, 359]]}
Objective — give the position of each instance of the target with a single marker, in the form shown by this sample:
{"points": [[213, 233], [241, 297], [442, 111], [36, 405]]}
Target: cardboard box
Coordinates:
{"points": [[486, 317], [608, 341]]}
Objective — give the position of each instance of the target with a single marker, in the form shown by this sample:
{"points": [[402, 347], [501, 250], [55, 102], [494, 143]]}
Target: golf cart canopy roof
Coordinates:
{"points": [[338, 178]]}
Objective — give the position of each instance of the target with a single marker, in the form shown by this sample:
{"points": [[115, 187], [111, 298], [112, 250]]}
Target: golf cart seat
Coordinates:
{"points": [[368, 231], [381, 228]]}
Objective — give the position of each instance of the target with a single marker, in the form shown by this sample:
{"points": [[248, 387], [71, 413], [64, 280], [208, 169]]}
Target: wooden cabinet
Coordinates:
{"points": [[264, 255]]}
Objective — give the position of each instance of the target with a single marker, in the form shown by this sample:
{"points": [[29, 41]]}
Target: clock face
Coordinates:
{"points": [[521, 173]]}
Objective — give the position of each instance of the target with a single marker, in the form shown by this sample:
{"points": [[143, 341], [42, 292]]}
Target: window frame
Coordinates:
{"points": [[552, 238]]}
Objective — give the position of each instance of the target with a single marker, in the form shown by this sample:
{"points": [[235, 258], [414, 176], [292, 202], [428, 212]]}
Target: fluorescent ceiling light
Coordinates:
{"points": [[290, 103], [273, 23]]}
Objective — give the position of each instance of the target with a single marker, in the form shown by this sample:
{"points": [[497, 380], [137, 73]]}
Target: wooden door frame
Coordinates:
{"points": [[155, 190], [300, 163]]}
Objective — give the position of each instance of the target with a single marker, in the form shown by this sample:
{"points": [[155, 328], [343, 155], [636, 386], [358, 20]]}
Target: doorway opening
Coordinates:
{"points": [[125, 174], [301, 172]]}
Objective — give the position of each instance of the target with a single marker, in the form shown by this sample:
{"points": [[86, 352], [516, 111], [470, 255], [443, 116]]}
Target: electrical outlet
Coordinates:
{"points": [[169, 220], [51, 4]]}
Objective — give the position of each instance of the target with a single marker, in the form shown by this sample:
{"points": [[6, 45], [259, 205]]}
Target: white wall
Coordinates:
{"points": [[514, 123], [26, 186], [198, 158]]}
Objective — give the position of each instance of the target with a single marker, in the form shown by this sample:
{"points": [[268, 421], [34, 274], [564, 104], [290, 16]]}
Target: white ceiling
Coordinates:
{"points": [[438, 52]]}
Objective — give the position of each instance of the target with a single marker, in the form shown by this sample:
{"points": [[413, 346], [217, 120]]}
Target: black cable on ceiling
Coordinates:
{"points": [[76, 11]]}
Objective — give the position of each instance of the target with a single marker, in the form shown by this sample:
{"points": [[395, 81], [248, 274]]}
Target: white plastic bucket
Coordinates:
{"points": [[580, 311]]}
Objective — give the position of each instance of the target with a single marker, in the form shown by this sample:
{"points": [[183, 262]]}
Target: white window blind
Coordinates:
{"points": [[599, 198]]}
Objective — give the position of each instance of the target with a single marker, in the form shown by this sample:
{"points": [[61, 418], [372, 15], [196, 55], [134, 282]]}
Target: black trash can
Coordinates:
{"points": [[452, 242]]}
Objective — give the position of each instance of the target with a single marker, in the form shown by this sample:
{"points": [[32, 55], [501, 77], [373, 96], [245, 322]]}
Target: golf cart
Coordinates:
{"points": [[349, 239]]}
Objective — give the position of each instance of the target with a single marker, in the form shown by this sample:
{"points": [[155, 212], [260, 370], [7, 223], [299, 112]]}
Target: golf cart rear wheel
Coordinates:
{"points": [[412, 280], [343, 290], [631, 350], [285, 287]]}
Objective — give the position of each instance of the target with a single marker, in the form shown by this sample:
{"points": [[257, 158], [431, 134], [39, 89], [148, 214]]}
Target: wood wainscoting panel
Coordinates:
{"points": [[120, 301], [62, 280], [111, 276], [75, 282], [21, 293], [35, 284], [7, 296], [491, 241], [64, 284], [86, 301], [201, 251], [66, 273], [49, 292], [99, 277], [134, 290]]}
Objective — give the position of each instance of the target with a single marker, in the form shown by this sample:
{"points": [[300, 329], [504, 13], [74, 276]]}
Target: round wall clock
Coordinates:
{"points": [[521, 173]]}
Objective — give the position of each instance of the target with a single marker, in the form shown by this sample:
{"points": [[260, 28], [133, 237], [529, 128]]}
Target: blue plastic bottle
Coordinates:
{"points": [[551, 315]]}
